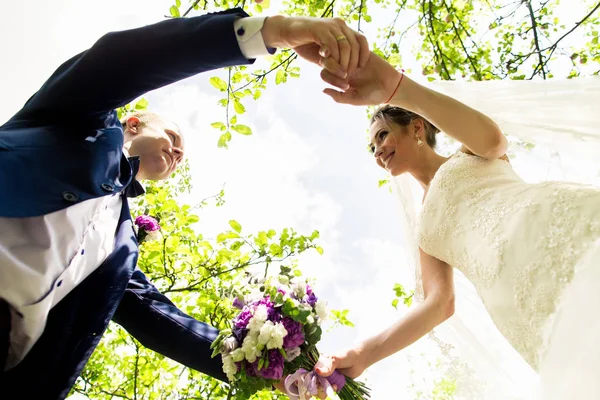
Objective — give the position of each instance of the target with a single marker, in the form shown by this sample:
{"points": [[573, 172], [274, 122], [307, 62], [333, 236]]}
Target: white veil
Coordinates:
{"points": [[562, 115]]}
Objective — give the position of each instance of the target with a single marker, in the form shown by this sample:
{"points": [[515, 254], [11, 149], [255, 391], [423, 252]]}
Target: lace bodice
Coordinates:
{"points": [[517, 242]]}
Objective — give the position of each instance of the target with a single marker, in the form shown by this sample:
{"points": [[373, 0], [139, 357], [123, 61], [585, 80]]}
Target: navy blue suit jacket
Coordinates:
{"points": [[65, 146]]}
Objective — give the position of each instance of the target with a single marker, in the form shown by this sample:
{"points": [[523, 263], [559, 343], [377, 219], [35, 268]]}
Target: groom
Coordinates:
{"points": [[67, 165]]}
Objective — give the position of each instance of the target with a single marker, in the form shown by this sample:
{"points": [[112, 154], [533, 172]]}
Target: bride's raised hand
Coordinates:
{"points": [[370, 85], [349, 362]]}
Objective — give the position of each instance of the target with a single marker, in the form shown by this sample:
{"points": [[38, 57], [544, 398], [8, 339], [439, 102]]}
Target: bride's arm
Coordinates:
{"points": [[477, 132], [438, 306]]}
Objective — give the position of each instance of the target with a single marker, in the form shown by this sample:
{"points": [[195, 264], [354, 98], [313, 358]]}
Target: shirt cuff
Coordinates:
{"points": [[249, 37]]}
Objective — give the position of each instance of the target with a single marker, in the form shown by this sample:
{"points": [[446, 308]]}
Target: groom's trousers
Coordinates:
{"points": [[4, 333]]}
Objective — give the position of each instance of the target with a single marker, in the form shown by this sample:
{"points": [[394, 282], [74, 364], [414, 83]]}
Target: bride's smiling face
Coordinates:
{"points": [[392, 146]]}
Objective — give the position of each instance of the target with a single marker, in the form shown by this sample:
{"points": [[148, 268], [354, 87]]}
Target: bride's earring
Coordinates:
{"points": [[419, 141]]}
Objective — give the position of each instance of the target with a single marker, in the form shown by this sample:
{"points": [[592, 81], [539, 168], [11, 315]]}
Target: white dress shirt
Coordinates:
{"points": [[43, 258]]}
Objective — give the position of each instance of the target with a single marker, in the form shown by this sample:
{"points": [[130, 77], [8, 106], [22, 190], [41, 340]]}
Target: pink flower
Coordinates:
{"points": [[147, 223]]}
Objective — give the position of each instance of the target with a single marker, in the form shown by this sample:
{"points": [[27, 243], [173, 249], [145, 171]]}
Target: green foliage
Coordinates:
{"points": [[402, 296], [340, 318]]}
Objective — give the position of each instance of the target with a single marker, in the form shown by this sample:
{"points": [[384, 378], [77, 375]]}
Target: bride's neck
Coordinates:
{"points": [[427, 167]]}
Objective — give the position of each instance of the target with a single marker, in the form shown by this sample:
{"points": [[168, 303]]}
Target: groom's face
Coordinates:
{"points": [[158, 143]]}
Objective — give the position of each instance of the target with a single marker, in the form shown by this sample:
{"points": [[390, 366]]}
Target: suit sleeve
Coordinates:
{"points": [[124, 65], [158, 324]]}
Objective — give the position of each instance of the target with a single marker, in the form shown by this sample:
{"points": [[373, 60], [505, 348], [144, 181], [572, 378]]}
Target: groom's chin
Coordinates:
{"points": [[396, 172]]}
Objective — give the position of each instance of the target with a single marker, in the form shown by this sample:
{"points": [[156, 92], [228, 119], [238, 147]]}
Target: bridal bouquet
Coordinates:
{"points": [[273, 335]]}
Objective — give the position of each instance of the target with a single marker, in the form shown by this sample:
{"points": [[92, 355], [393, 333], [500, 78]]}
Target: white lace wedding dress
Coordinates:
{"points": [[532, 251]]}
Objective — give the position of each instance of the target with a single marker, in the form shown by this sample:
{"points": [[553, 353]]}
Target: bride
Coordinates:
{"points": [[532, 251]]}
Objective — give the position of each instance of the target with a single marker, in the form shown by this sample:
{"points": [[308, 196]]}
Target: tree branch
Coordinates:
{"points": [[577, 25], [195, 285], [360, 14], [536, 41], [471, 61], [135, 376], [291, 58], [434, 43], [185, 14]]}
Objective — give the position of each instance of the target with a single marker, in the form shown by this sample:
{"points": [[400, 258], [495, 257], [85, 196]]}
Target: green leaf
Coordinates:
{"points": [[280, 77], [218, 125], [235, 226], [174, 12], [319, 250], [221, 237], [218, 83], [238, 107], [395, 303], [142, 104], [243, 129], [275, 250], [224, 139], [233, 120]]}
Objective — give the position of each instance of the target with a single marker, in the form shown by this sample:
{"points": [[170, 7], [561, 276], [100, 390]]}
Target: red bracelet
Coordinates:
{"points": [[397, 86]]}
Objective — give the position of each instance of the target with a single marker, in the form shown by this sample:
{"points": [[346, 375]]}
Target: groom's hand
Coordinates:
{"points": [[328, 42]]}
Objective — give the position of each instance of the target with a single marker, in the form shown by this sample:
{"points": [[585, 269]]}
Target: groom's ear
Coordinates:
{"points": [[132, 125]]}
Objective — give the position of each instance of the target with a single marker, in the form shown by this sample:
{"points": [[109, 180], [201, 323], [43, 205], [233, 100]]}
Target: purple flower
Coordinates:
{"points": [[243, 318], [312, 299], [309, 290], [147, 223], [273, 371], [295, 334], [240, 334], [266, 301], [237, 303]]}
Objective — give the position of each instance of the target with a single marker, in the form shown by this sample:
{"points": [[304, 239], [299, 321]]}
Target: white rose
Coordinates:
{"points": [[277, 336], [310, 320], [229, 368], [321, 309], [249, 347], [261, 313], [271, 335], [265, 332], [255, 325]]}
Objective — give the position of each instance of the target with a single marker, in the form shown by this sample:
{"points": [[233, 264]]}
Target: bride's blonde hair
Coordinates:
{"points": [[388, 114]]}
